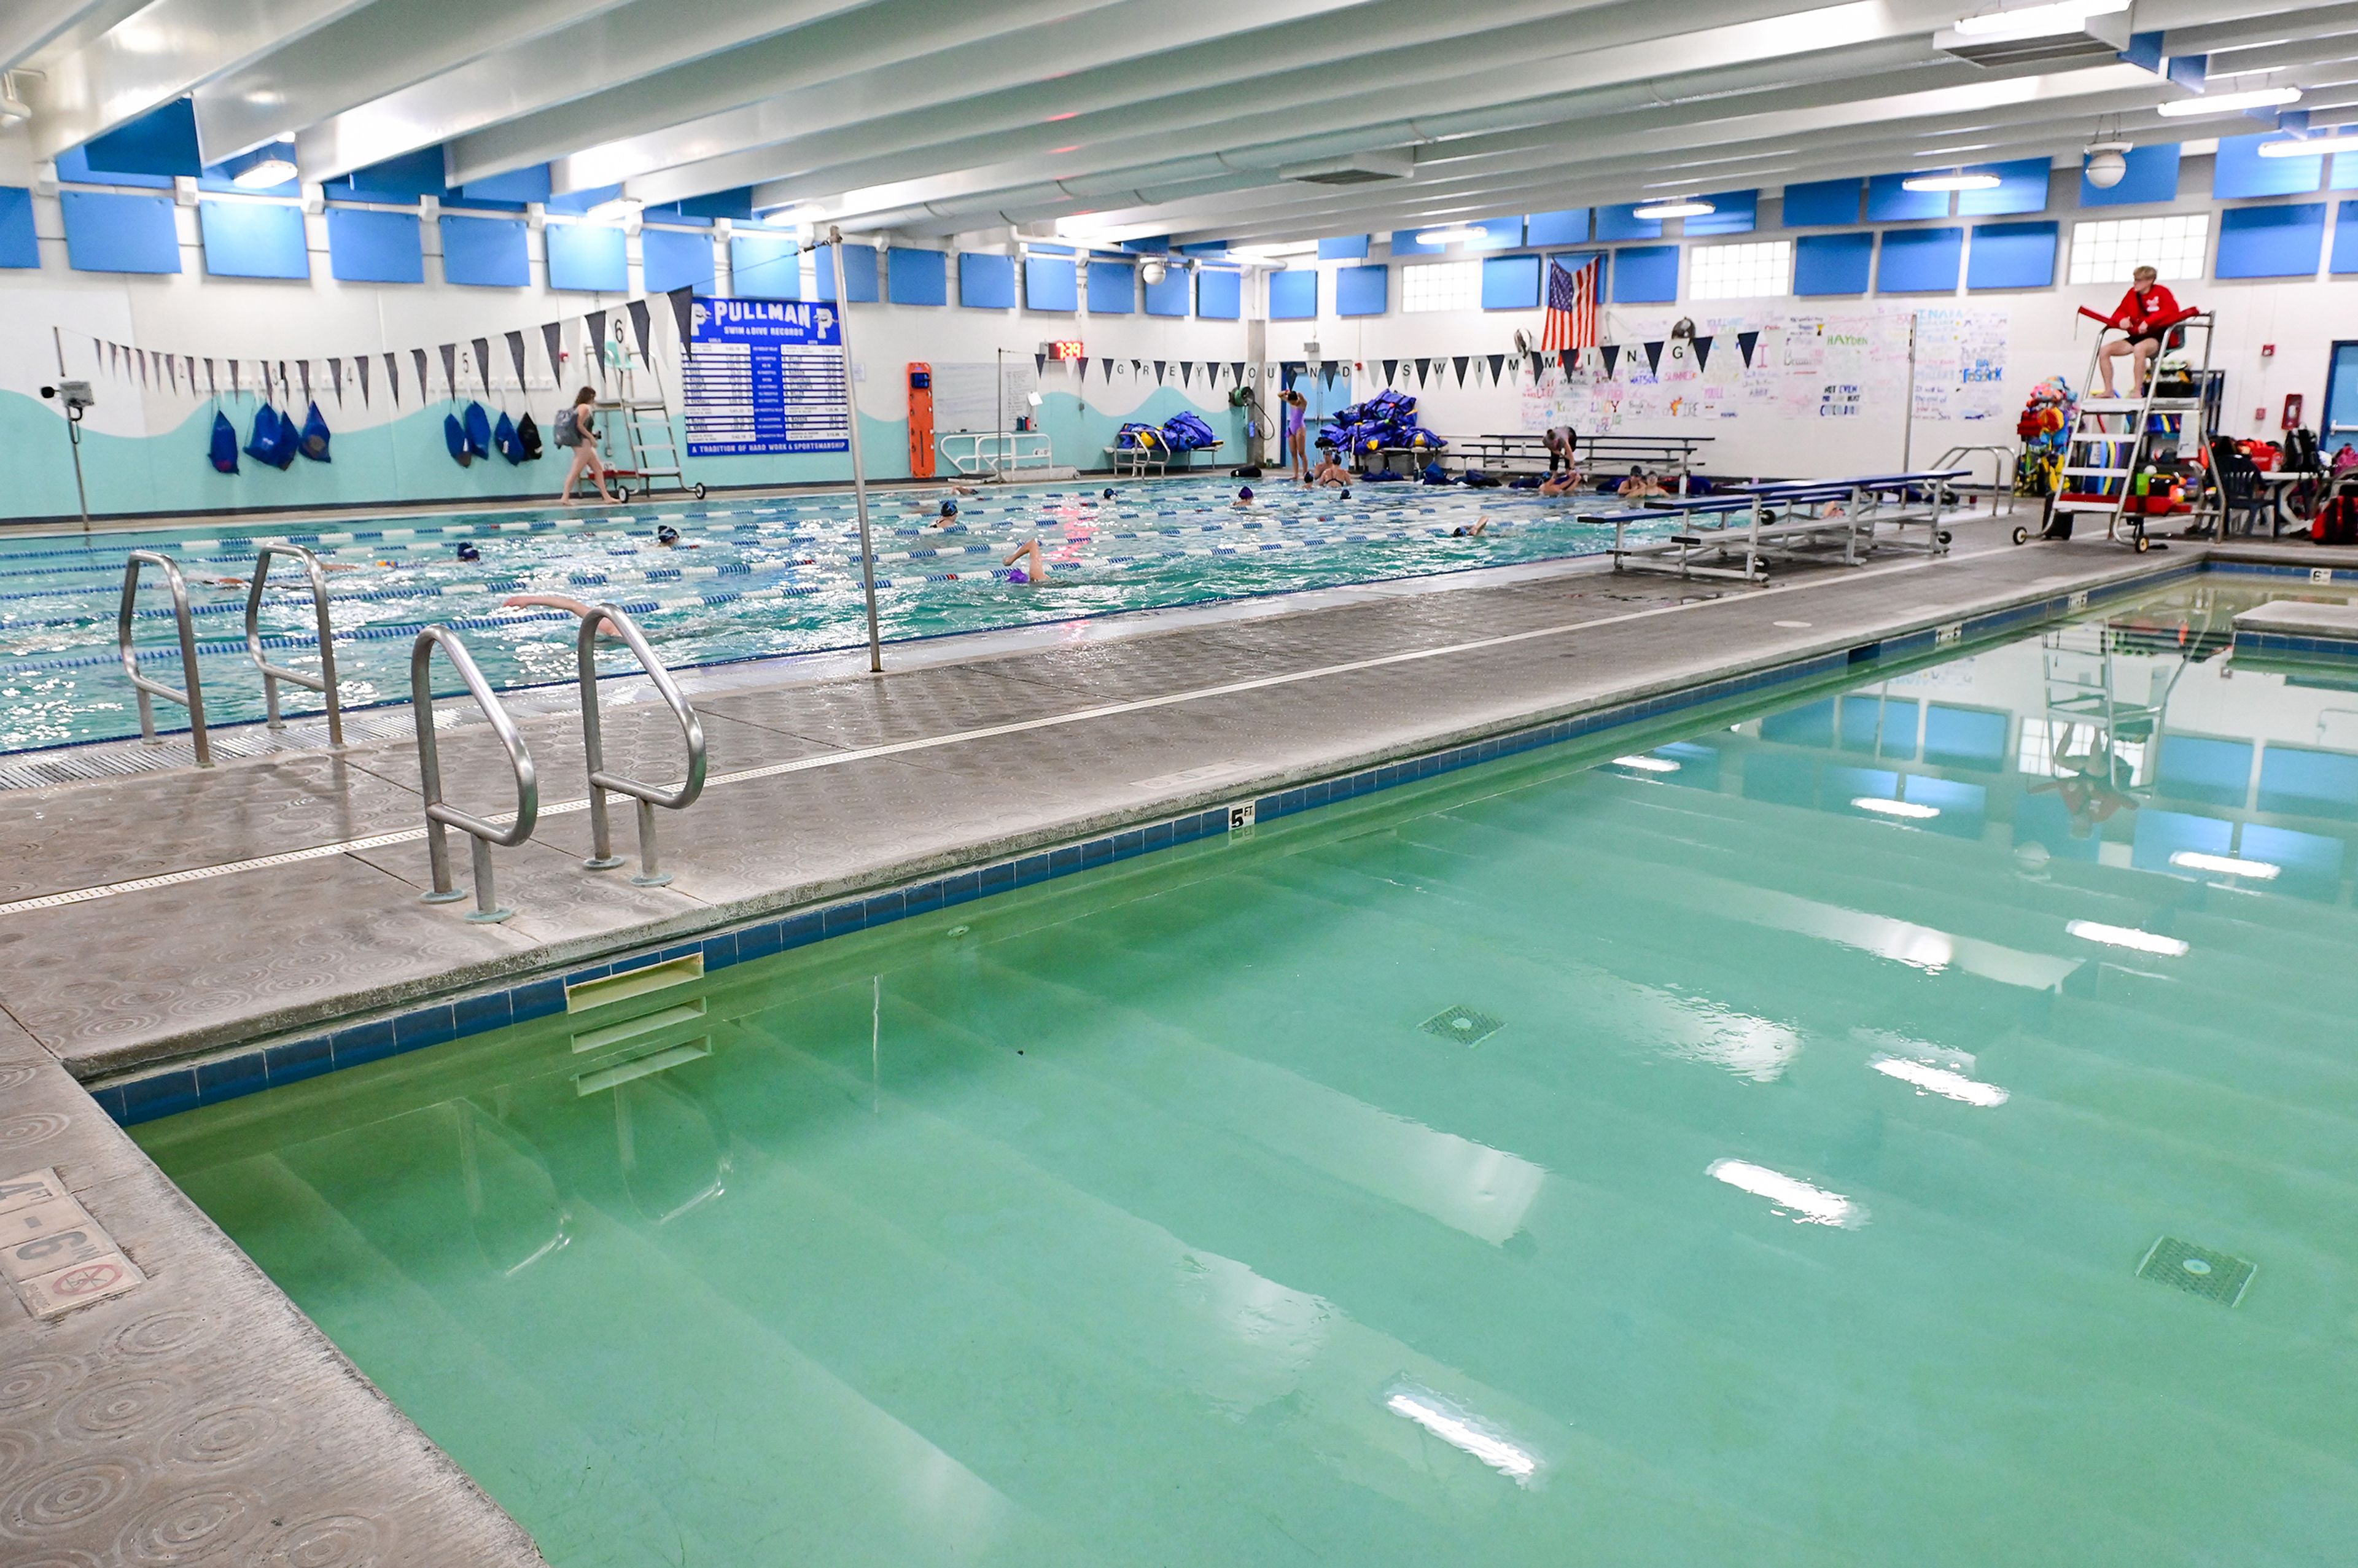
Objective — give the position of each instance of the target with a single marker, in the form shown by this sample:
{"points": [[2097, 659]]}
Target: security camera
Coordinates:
{"points": [[76, 395]]}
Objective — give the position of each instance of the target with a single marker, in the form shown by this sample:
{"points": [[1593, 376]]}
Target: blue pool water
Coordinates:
{"points": [[763, 579]]}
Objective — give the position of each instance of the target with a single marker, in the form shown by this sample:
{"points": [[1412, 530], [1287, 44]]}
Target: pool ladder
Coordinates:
{"points": [[510, 829], [191, 695]]}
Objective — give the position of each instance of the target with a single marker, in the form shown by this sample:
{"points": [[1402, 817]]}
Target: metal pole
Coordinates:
{"points": [[859, 473], [1908, 432], [1000, 371]]}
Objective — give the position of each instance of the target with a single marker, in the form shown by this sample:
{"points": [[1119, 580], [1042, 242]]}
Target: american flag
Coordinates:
{"points": [[1571, 320]]}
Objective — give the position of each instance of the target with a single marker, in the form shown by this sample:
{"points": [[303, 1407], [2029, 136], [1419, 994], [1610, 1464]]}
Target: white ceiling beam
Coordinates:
{"points": [[614, 47], [2281, 27], [387, 46], [156, 55], [28, 27]]}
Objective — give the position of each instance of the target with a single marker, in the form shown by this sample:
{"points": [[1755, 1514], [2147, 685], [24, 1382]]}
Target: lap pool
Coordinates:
{"points": [[1909, 1124], [762, 579]]}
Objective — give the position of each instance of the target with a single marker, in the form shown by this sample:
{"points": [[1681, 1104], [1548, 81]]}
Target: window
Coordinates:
{"points": [[1740, 272], [2112, 251], [1442, 286]]}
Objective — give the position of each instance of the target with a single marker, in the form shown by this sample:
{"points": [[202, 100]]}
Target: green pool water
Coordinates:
{"points": [[1682, 1159]]}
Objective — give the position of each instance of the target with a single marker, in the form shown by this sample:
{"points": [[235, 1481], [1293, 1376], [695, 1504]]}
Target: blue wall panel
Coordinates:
{"points": [[1732, 212], [1821, 201], [1349, 247], [1889, 200], [1404, 245], [986, 282], [1497, 235], [2345, 238], [19, 244], [73, 169], [2012, 255], [1920, 261], [859, 274], [1367, 290], [1219, 293], [162, 142], [673, 258], [1511, 283], [2271, 241], [253, 238], [576, 203], [1833, 264], [1293, 296], [1113, 288], [2303, 781], [2240, 170], [1621, 222], [374, 247], [917, 277], [402, 180], [1169, 298], [1049, 284], [1646, 275], [2152, 177], [108, 232], [1569, 227], [486, 253], [588, 256], [764, 266], [518, 186], [2021, 187]]}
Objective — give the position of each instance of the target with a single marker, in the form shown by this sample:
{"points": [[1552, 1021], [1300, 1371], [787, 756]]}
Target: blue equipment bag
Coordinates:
{"points": [[283, 445], [1434, 473], [1187, 432], [479, 431], [454, 435], [503, 436], [225, 452], [265, 440], [315, 435]]}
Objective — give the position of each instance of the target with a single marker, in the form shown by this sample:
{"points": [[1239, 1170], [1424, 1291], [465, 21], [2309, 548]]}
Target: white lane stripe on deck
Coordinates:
{"points": [[956, 738]]}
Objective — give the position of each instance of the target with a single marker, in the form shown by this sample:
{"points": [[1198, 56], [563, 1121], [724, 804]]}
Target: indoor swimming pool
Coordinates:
{"points": [[748, 580], [1907, 1123]]}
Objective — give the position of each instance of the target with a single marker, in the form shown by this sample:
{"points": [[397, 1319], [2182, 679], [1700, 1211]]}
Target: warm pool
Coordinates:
{"points": [[765, 578], [1735, 1146]]}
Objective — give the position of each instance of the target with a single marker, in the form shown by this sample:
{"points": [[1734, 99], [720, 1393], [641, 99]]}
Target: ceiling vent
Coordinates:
{"points": [[1352, 169], [2040, 42]]}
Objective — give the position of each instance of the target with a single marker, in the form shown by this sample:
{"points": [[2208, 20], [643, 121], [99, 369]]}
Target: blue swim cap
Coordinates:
{"points": [[949, 508], [1109, 493], [1245, 493], [1343, 494]]}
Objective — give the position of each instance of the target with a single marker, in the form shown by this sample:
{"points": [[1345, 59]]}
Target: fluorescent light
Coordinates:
{"points": [[619, 207], [1950, 182], [1452, 234], [2312, 147], [1277, 252], [2229, 102], [1940, 1081], [1686, 207], [2227, 865], [2127, 936], [1462, 1433], [1647, 764], [1811, 1206], [266, 174], [1904, 808], [2030, 21]]}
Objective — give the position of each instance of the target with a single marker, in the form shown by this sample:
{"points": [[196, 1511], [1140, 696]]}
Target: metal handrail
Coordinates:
{"points": [[593, 745], [2001, 459], [192, 697], [325, 681], [1008, 451], [440, 814]]}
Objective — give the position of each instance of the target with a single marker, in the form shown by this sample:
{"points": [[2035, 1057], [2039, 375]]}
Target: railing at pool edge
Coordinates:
{"points": [[440, 815], [325, 681], [593, 745], [192, 695]]}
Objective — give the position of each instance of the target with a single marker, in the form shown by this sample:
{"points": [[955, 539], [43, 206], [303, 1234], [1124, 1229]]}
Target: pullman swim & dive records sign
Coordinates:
{"points": [[766, 376]]}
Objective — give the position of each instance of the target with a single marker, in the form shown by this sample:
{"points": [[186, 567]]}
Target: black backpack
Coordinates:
{"points": [[528, 438]]}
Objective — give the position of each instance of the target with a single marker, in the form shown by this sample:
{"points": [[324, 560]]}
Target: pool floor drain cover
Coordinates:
{"points": [[1463, 1024], [2214, 1276]]}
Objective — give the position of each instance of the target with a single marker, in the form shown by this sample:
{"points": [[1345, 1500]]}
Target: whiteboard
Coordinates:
{"points": [[966, 396]]}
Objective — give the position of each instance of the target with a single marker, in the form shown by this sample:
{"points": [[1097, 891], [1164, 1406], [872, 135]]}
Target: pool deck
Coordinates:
{"points": [[202, 1414]]}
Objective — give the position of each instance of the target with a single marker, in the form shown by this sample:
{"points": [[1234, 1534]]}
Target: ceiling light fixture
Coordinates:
{"points": [[2127, 936], [2107, 164], [2227, 865], [2030, 21], [1647, 764], [1811, 1204], [1909, 809], [1677, 207], [1451, 233], [1955, 180], [1152, 273], [2307, 146], [2228, 103], [262, 168], [1940, 1081]]}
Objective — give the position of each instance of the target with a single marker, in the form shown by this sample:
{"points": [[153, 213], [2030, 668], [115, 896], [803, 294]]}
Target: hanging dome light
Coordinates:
{"points": [[1153, 272], [2107, 164]]}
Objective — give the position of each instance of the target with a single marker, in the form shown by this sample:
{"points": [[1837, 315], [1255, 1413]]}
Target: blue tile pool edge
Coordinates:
{"points": [[169, 1091]]}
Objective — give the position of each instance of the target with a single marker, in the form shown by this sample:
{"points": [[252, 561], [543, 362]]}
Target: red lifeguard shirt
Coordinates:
{"points": [[2136, 311]]}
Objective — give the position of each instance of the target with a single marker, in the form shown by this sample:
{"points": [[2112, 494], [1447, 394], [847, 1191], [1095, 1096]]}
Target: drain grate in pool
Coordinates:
{"points": [[1465, 1025], [2214, 1276]]}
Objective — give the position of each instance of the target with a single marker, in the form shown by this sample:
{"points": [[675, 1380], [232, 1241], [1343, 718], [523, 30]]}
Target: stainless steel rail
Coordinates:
{"points": [[440, 815], [594, 744], [192, 695], [325, 681]]}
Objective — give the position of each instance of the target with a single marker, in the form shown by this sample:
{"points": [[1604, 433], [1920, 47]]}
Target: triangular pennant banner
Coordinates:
{"points": [[235, 390], [1105, 367], [1039, 365], [1563, 361], [1612, 353], [515, 357], [1158, 370], [1238, 367], [683, 316], [1326, 371], [143, 355], [642, 316], [360, 369], [1654, 355], [212, 383], [450, 371], [1392, 368], [552, 336], [1745, 342], [1186, 370], [189, 363], [336, 374], [596, 319], [1422, 367], [172, 372], [305, 366], [1539, 367], [1462, 361], [1497, 363], [482, 347], [1703, 352], [393, 377]]}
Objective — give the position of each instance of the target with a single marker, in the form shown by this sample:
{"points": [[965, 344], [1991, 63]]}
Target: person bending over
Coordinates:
{"points": [[1562, 449], [1641, 486], [1330, 469], [2143, 313]]}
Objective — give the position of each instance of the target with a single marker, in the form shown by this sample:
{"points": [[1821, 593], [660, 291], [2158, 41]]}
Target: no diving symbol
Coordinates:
{"points": [[83, 1281]]}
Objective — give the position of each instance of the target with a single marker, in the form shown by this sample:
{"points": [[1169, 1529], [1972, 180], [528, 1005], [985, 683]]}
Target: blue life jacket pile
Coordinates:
{"points": [[1187, 433], [1135, 437], [1387, 419]]}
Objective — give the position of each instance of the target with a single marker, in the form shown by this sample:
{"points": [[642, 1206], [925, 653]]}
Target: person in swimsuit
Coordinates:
{"points": [[557, 601], [1476, 532], [2146, 303], [1297, 434], [585, 451], [1037, 571], [1244, 501], [1330, 469], [1640, 485], [1566, 483]]}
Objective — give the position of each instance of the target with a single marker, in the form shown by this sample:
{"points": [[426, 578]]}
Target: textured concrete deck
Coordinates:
{"points": [[202, 1414]]}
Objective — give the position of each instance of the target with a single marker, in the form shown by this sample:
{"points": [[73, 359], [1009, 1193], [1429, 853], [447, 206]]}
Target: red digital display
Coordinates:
{"points": [[1066, 349]]}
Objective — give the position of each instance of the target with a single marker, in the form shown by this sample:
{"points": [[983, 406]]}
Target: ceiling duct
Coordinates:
{"points": [[1352, 169], [2050, 35]]}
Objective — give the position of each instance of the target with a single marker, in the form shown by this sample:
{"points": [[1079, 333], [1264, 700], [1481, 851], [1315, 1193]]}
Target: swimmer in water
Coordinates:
{"points": [[924, 500], [949, 516], [1641, 486], [557, 601], [669, 538], [1330, 469], [1108, 494], [1036, 572], [1476, 532], [1244, 501], [467, 552], [1565, 483], [248, 583]]}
